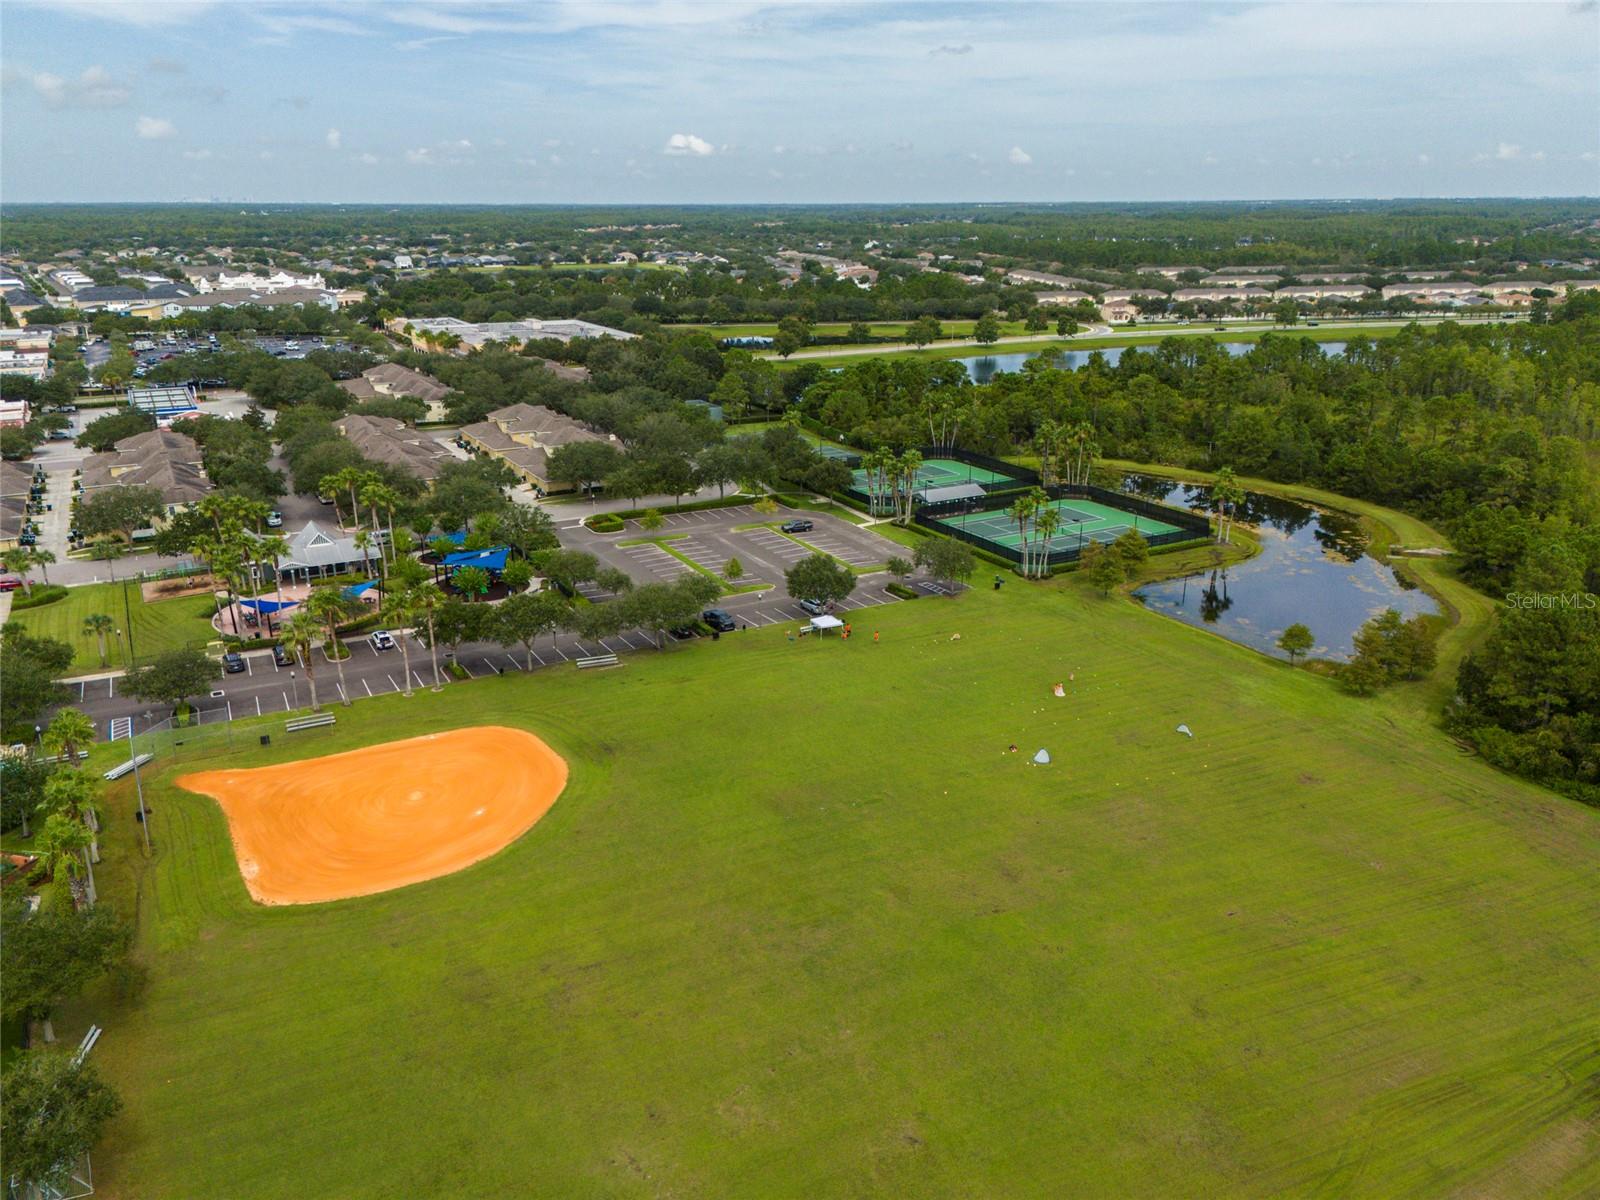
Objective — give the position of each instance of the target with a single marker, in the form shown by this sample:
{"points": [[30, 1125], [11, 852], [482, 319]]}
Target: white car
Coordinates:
{"points": [[382, 640], [274, 519]]}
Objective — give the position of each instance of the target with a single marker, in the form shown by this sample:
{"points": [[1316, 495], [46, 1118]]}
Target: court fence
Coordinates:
{"points": [[1013, 478], [1187, 525]]}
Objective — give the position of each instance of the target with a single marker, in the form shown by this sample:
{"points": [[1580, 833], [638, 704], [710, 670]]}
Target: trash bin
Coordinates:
{"points": [[266, 739]]}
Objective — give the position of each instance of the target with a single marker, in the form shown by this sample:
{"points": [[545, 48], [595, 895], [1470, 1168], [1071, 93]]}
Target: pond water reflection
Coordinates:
{"points": [[984, 367], [1313, 568]]}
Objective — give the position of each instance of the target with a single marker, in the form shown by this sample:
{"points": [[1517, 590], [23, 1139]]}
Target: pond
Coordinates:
{"points": [[984, 367], [1313, 569]]}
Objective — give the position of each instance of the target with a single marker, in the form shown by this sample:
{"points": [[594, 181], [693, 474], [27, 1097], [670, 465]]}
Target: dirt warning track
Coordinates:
{"points": [[384, 816]]}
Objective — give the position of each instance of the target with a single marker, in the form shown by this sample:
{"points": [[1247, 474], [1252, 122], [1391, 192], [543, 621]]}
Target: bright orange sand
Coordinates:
{"points": [[384, 816]]}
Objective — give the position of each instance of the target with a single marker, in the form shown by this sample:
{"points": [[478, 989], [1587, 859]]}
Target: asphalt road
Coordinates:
{"points": [[264, 689]]}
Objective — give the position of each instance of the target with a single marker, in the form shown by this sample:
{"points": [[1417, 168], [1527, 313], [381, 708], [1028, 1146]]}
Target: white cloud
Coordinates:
{"points": [[1424, 159], [197, 155], [1537, 156], [334, 139], [420, 157], [368, 159], [1508, 152], [1019, 157], [95, 88], [136, 12], [1210, 160], [688, 143], [154, 128]]}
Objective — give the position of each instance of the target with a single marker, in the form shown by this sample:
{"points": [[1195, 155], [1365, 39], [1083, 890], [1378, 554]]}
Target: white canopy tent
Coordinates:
{"points": [[824, 623]]}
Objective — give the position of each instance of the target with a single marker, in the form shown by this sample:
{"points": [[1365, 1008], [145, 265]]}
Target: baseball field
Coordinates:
{"points": [[802, 925]]}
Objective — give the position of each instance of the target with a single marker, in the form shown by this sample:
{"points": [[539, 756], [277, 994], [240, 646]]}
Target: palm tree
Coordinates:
{"points": [[398, 603], [376, 494], [1021, 511], [99, 624], [63, 847], [269, 548], [68, 732], [1226, 495], [363, 542], [426, 599], [908, 465], [298, 635], [73, 793], [328, 604], [347, 478], [1049, 520]]}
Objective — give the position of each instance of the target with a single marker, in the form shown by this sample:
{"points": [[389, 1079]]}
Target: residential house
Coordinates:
{"points": [[1064, 296], [393, 379], [1220, 295], [226, 279], [156, 308], [1023, 277], [163, 459], [315, 553], [396, 444], [1224, 279], [524, 435], [16, 482], [1441, 289], [1328, 291], [1168, 272]]}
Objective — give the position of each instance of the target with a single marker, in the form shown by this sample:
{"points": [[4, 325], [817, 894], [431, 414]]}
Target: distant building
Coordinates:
{"points": [[1168, 272], [1065, 296], [165, 404], [227, 279], [1224, 279], [474, 335], [1023, 278], [1432, 290], [1220, 295], [1330, 291], [292, 297], [14, 414]]}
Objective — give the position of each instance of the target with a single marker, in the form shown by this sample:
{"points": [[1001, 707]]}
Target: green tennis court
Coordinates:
{"points": [[943, 472], [1081, 520]]}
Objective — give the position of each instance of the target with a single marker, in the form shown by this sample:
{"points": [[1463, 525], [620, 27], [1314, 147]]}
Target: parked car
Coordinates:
{"points": [[61, 435], [232, 663], [274, 519], [382, 640], [796, 527], [816, 607], [719, 620], [280, 656], [10, 583]]}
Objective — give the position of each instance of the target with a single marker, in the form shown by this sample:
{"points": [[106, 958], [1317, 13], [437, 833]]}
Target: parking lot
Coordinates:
{"points": [[711, 537]]}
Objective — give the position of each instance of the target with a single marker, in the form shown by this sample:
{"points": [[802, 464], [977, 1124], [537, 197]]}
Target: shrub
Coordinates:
{"points": [[605, 523], [43, 593], [902, 591]]}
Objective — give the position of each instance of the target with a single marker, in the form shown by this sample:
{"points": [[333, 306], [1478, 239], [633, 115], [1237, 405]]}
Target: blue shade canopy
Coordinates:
{"points": [[489, 560]]}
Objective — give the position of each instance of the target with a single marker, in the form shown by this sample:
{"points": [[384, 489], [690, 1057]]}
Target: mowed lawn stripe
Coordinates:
{"points": [[802, 925]]}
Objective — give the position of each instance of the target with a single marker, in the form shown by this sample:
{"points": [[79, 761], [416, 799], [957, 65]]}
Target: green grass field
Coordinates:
{"points": [[801, 927], [163, 625]]}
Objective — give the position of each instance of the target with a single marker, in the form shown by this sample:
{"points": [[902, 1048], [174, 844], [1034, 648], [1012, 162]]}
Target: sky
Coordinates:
{"points": [[739, 101]]}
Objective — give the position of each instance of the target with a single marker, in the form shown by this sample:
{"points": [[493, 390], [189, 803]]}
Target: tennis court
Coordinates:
{"points": [[1081, 521], [943, 472]]}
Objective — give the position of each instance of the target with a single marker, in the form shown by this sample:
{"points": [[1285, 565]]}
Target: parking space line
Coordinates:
{"points": [[111, 689], [392, 683], [417, 675], [249, 668], [511, 660], [368, 686], [285, 696]]}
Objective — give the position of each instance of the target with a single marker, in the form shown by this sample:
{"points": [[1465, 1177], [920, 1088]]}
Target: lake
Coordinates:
{"points": [[1313, 568], [984, 367]]}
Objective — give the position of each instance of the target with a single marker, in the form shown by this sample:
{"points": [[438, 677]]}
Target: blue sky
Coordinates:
{"points": [[700, 101]]}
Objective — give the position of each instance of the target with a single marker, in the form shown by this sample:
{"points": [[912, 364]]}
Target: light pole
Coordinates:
{"points": [[295, 683]]}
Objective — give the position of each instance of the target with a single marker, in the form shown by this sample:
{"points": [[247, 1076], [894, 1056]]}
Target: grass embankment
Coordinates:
{"points": [[1104, 342], [801, 927], [157, 627]]}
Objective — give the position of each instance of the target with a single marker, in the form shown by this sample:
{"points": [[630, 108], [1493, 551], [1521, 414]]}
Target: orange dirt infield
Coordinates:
{"points": [[384, 816]]}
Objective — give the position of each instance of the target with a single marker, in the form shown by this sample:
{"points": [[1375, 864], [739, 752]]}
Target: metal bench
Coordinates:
{"points": [[118, 772], [598, 660], [313, 722]]}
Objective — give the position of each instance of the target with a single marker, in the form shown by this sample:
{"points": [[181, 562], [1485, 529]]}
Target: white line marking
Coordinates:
{"points": [[258, 706], [368, 686], [512, 661], [229, 703], [249, 668], [111, 689], [392, 683]]}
